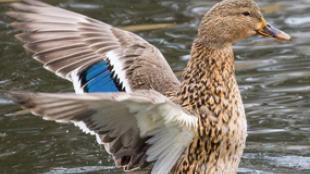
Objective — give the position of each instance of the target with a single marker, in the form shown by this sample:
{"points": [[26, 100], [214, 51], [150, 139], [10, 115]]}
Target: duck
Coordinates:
{"points": [[127, 95]]}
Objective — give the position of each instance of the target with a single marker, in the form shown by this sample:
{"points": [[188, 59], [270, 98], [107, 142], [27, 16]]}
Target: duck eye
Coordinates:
{"points": [[246, 13]]}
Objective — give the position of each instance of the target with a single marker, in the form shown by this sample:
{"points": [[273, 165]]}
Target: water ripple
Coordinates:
{"points": [[77, 170]]}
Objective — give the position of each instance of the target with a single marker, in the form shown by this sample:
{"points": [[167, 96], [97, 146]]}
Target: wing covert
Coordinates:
{"points": [[68, 44]]}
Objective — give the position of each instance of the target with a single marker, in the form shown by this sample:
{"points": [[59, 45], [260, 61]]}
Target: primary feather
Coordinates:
{"points": [[136, 129], [68, 43]]}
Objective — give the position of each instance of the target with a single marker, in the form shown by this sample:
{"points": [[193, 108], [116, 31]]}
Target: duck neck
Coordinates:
{"points": [[210, 92], [210, 72]]}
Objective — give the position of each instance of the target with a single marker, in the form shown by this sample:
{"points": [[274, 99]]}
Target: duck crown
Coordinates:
{"points": [[230, 21]]}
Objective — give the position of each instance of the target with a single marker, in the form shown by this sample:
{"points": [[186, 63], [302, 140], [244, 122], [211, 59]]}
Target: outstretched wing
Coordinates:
{"points": [[136, 128], [95, 56]]}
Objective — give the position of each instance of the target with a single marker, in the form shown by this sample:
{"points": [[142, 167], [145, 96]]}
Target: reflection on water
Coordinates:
{"points": [[274, 79]]}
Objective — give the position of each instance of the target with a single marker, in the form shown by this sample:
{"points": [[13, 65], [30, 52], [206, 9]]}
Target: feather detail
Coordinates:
{"points": [[119, 70], [100, 77], [68, 43], [136, 132]]}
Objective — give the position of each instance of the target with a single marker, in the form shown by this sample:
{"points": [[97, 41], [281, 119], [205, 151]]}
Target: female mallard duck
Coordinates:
{"points": [[137, 108]]}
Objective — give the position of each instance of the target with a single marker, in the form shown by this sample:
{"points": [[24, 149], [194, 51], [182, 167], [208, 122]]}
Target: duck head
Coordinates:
{"points": [[230, 21]]}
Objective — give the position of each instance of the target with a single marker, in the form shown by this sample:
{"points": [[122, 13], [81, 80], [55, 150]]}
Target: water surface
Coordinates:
{"points": [[274, 80]]}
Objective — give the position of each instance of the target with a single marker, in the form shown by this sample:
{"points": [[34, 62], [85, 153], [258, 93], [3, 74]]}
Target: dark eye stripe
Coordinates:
{"points": [[246, 13]]}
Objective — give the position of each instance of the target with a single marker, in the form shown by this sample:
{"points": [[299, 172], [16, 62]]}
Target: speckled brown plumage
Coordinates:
{"points": [[210, 91], [197, 126]]}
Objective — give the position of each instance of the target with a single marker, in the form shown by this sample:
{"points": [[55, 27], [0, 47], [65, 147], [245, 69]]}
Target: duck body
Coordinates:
{"points": [[128, 96], [210, 91]]}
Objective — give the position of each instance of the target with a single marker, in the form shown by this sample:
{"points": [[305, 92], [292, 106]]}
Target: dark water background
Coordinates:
{"points": [[274, 79]]}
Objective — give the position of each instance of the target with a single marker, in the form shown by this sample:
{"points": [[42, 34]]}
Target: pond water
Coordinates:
{"points": [[274, 79]]}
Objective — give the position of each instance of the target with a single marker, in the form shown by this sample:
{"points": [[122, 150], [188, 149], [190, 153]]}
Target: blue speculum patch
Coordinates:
{"points": [[99, 78]]}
